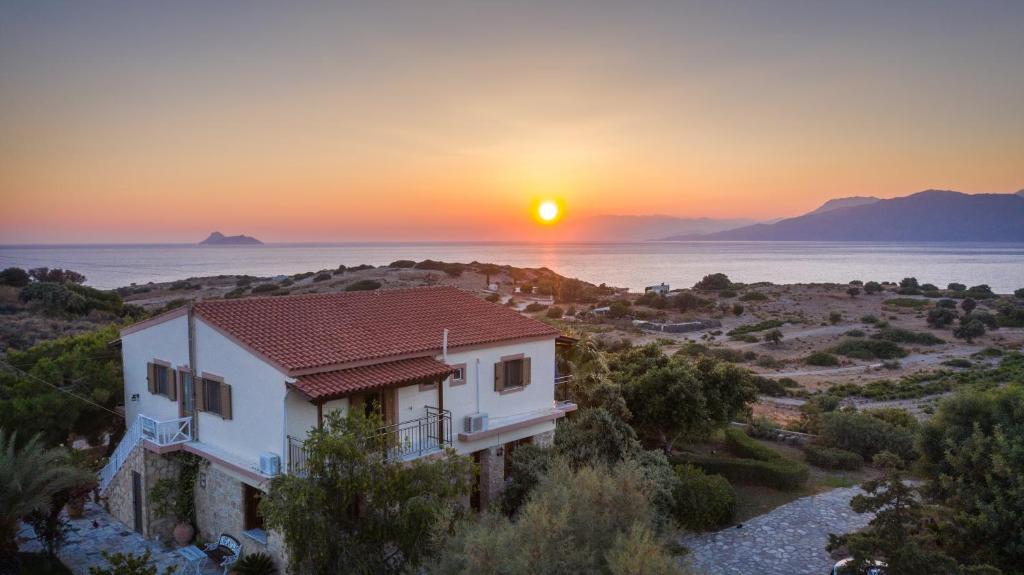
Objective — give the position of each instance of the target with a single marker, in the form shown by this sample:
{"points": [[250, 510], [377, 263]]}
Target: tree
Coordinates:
{"points": [[1019, 293], [970, 330], [713, 282], [835, 317], [973, 451], [591, 520], [56, 275], [872, 288], [941, 316], [84, 365], [30, 476], [853, 291], [774, 336], [956, 287], [15, 277], [671, 399], [909, 283], [897, 535], [968, 305], [355, 512]]}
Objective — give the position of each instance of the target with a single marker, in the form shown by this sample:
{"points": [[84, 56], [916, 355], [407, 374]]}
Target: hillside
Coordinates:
{"points": [[219, 239], [618, 228], [929, 216], [838, 203]]}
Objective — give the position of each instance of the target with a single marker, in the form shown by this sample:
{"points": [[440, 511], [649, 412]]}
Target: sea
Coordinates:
{"points": [[631, 265]]}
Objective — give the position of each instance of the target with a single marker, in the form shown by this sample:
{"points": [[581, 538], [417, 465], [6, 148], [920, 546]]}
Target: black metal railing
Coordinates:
{"points": [[401, 441], [418, 437], [562, 386]]}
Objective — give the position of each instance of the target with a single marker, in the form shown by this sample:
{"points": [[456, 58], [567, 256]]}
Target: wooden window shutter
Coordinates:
{"points": [[499, 376], [151, 376], [172, 385], [225, 400], [526, 371], [200, 392]]}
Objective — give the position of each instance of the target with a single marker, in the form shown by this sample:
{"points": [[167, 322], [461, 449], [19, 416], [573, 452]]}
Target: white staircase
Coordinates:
{"points": [[160, 433]]}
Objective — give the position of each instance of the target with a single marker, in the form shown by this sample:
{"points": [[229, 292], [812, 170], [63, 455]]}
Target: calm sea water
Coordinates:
{"points": [[632, 265]]}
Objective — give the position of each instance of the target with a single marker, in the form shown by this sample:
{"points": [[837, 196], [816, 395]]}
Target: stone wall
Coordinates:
{"points": [[119, 502], [220, 508], [492, 476]]}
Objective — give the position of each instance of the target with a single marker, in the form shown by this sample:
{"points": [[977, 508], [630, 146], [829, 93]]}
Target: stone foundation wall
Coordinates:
{"points": [[220, 508], [492, 476], [119, 498]]}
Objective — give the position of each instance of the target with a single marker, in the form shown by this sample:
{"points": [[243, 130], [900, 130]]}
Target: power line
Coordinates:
{"points": [[3, 363]]}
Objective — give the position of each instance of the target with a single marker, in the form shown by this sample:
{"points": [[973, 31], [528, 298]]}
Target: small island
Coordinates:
{"points": [[219, 239]]}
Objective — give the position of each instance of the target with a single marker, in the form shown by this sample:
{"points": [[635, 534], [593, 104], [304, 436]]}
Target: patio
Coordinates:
{"points": [[96, 531]]}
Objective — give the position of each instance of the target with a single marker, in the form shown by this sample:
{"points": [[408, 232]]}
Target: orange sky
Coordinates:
{"points": [[401, 123]]}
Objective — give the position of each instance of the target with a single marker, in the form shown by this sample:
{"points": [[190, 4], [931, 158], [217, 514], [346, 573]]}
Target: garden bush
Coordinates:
{"points": [[742, 445], [753, 296], [865, 435], [534, 307], [782, 474], [555, 312], [702, 501], [832, 458]]}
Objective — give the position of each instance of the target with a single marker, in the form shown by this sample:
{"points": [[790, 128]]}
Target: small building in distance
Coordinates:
{"points": [[660, 289]]}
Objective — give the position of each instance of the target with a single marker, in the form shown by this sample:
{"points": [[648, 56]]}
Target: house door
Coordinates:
{"points": [[137, 499], [186, 396], [383, 402]]}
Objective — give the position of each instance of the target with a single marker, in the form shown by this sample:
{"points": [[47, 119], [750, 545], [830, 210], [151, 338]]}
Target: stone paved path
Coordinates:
{"points": [[87, 539], [789, 540]]}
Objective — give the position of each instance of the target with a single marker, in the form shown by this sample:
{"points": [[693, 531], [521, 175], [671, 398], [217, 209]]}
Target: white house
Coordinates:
{"points": [[240, 383], [660, 289]]}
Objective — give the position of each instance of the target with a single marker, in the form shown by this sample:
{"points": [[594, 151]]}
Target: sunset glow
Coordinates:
{"points": [[355, 124]]}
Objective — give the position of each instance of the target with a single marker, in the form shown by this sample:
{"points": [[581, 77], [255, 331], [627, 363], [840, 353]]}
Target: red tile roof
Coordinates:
{"points": [[332, 384], [320, 330]]}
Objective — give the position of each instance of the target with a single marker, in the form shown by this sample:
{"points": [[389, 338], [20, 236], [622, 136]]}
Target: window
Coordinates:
{"points": [[214, 396], [511, 373], [458, 377], [161, 382]]}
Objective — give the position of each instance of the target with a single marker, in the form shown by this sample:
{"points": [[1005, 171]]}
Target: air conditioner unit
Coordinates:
{"points": [[270, 464], [475, 422]]}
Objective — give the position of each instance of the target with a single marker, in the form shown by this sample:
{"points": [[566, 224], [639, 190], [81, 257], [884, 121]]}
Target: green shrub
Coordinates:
{"points": [[958, 362], [264, 288], [322, 277], [535, 307], [835, 317], [821, 358], [762, 427], [742, 445], [832, 458], [865, 435], [869, 349], [255, 564], [493, 297], [363, 285], [702, 501], [402, 264], [898, 335], [712, 282], [854, 333], [555, 312], [770, 387], [869, 319], [759, 326], [907, 302], [941, 316], [782, 474], [235, 293], [452, 269], [726, 294]]}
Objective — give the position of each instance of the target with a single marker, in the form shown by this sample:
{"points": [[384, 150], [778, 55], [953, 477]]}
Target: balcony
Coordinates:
{"points": [[167, 432], [399, 442]]}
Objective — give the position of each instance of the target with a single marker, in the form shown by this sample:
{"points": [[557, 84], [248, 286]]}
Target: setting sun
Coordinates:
{"points": [[547, 211]]}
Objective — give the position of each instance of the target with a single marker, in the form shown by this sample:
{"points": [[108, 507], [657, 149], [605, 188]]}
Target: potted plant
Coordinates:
{"points": [[174, 497], [255, 564]]}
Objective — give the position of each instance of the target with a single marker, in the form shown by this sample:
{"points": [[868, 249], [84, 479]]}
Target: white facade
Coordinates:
{"points": [[265, 411]]}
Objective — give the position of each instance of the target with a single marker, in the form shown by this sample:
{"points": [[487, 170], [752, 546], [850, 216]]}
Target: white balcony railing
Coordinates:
{"points": [[160, 433], [167, 432]]}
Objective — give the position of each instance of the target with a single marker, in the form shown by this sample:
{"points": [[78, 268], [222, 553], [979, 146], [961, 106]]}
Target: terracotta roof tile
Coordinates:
{"points": [[320, 330], [331, 384]]}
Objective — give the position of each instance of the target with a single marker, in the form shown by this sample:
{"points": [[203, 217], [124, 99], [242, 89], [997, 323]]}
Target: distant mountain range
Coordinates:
{"points": [[928, 216], [219, 239], [613, 228]]}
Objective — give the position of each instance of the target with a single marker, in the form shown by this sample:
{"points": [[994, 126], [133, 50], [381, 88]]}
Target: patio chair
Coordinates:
{"points": [[224, 552]]}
